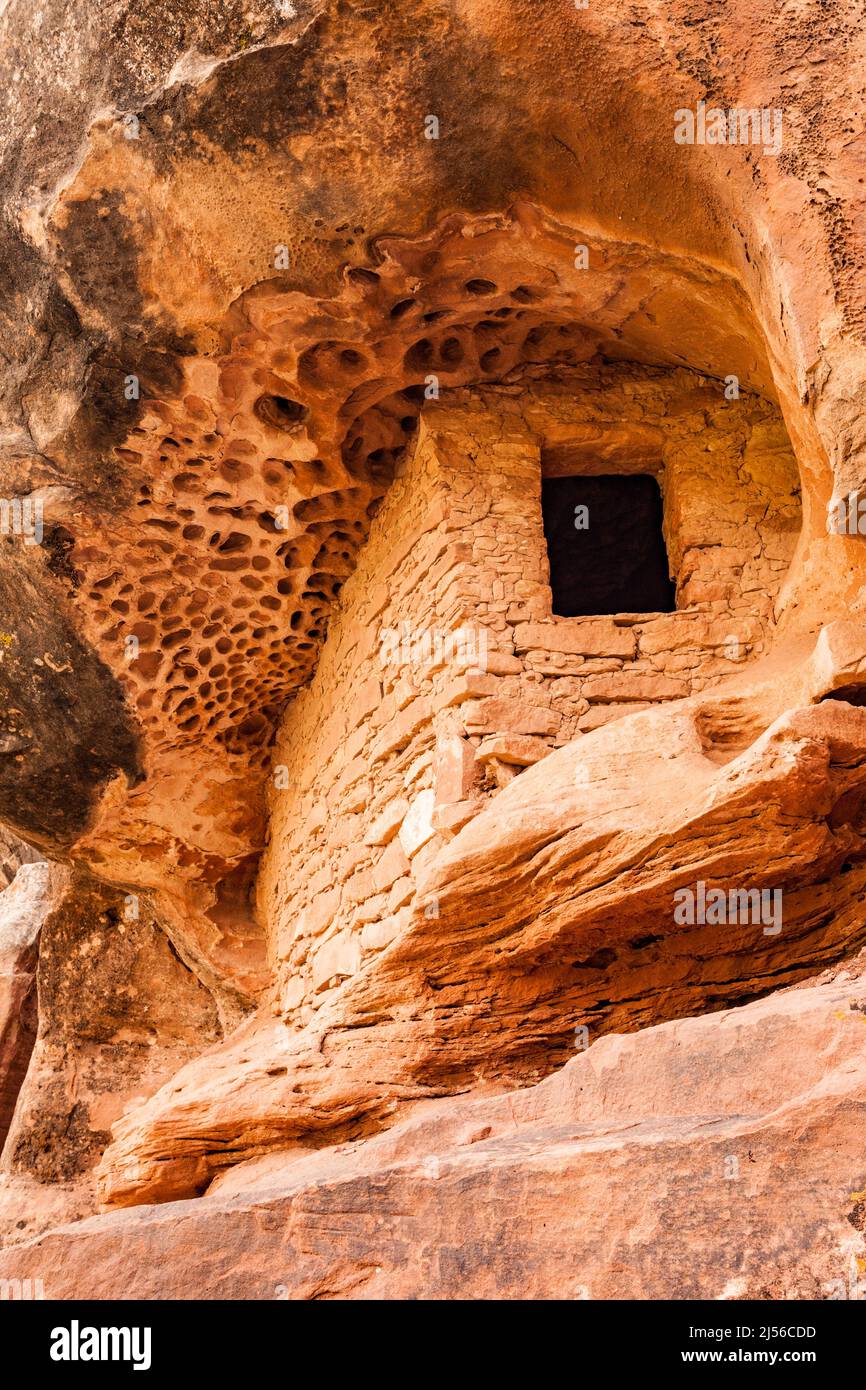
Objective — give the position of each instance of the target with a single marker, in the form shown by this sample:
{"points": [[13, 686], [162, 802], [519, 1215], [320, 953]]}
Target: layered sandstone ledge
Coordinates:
{"points": [[330, 841], [691, 1160]]}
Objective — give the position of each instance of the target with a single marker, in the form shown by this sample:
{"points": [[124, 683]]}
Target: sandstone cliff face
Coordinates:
{"points": [[604, 1181], [352, 838]]}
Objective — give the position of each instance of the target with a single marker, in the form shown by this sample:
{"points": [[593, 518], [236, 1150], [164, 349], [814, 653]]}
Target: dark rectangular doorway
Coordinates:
{"points": [[605, 545]]}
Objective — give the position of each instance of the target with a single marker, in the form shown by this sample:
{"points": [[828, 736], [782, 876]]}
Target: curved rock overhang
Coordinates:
{"points": [[232, 277]]}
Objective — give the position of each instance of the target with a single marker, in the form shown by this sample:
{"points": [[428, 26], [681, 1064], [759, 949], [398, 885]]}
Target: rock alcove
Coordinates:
{"points": [[290, 380]]}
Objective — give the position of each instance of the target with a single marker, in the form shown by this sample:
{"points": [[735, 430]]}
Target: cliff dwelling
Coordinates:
{"points": [[432, 729]]}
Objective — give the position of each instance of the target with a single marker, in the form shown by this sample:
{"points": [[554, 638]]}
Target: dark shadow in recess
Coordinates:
{"points": [[610, 558]]}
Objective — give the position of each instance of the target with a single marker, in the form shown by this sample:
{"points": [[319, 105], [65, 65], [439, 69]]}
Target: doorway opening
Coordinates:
{"points": [[606, 546]]}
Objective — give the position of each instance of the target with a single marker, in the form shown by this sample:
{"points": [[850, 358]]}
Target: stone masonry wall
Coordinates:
{"points": [[447, 671]]}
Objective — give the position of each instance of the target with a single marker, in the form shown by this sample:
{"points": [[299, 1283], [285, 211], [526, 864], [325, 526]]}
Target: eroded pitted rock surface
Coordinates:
{"points": [[284, 375]]}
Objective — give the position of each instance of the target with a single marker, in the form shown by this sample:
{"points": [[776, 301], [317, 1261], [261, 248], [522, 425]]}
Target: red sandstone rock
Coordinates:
{"points": [[23, 907], [687, 1160], [359, 829], [542, 953], [520, 749]]}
